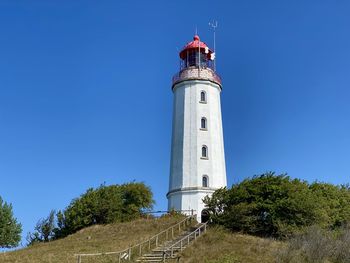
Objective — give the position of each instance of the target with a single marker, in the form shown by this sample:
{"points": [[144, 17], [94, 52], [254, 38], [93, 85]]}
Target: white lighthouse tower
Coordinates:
{"points": [[197, 166]]}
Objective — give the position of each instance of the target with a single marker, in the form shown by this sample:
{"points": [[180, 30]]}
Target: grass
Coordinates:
{"points": [[317, 245], [99, 238], [216, 246], [220, 246]]}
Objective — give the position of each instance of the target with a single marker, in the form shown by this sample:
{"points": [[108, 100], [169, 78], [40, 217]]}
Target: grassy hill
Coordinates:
{"points": [[214, 247], [220, 246], [99, 238]]}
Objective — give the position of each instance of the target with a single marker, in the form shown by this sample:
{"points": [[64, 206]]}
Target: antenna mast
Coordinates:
{"points": [[214, 25]]}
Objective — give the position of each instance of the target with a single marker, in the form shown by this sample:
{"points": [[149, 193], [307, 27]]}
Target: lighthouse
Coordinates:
{"points": [[197, 166]]}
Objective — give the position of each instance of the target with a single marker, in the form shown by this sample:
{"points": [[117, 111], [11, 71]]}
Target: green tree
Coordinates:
{"points": [[10, 229], [265, 205], [44, 230], [106, 204], [333, 201]]}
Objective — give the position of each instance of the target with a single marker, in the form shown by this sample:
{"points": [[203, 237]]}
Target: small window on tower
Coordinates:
{"points": [[204, 152], [205, 181], [203, 97], [203, 123]]}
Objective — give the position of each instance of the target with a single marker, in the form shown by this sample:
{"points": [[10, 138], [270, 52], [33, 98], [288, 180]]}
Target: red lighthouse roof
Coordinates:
{"points": [[195, 44]]}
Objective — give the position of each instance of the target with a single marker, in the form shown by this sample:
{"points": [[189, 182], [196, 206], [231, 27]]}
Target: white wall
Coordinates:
{"points": [[187, 166]]}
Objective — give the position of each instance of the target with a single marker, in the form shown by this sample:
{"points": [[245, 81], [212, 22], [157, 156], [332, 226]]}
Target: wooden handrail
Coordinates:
{"points": [[170, 250], [126, 253], [178, 224]]}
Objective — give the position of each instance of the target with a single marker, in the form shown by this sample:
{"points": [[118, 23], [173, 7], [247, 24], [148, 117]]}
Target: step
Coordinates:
{"points": [[157, 254], [156, 257], [166, 251], [151, 260], [153, 255], [146, 259]]}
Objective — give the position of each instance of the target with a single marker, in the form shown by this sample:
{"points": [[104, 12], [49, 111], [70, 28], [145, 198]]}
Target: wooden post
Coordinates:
{"points": [[149, 244], [140, 250], [79, 259], [163, 256], [129, 253], [157, 241], [179, 228], [172, 232], [181, 245], [167, 235], [120, 257]]}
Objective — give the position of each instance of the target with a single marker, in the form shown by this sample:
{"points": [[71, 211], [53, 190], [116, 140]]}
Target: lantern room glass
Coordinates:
{"points": [[194, 58]]}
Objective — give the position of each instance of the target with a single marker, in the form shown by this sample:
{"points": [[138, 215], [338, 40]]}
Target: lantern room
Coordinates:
{"points": [[196, 54]]}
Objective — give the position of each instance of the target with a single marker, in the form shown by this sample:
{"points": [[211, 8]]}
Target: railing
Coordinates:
{"points": [[196, 73], [126, 254], [169, 253]]}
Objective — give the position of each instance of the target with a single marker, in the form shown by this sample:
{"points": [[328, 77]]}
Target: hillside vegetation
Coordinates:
{"points": [[10, 229], [311, 222], [315, 245], [98, 238], [219, 245], [278, 206], [103, 205]]}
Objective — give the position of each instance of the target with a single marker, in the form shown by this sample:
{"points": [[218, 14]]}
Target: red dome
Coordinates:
{"points": [[195, 44]]}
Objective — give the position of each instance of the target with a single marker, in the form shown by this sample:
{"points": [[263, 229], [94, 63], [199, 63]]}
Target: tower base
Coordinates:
{"points": [[189, 200]]}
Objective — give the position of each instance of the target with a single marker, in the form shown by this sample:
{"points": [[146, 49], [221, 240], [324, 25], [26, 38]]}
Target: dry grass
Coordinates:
{"points": [[220, 246], [94, 239], [317, 245], [216, 246]]}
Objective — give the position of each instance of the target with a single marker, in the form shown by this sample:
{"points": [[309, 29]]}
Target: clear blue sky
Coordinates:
{"points": [[85, 93]]}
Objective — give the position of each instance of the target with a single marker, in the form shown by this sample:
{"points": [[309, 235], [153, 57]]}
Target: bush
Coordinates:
{"points": [[334, 209], [103, 205], [44, 230], [317, 245], [106, 204], [278, 206], [10, 229], [342, 246]]}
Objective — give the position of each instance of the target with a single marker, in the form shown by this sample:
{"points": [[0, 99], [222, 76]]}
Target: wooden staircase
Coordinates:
{"points": [[164, 245], [171, 249]]}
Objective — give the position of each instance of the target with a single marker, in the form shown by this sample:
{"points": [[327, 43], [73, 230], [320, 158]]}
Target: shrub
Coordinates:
{"points": [[317, 245], [334, 209], [266, 205], [10, 229], [342, 246], [103, 205], [44, 230], [278, 206], [106, 204]]}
